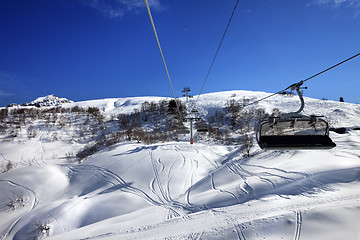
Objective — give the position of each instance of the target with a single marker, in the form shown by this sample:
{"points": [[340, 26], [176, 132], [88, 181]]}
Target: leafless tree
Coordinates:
{"points": [[248, 142]]}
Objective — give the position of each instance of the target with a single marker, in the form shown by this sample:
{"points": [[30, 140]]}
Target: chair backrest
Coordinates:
{"points": [[294, 127], [296, 133]]}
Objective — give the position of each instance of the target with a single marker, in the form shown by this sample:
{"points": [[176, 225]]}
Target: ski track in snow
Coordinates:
{"points": [[163, 195], [164, 198], [193, 166], [219, 189], [213, 164], [269, 176], [112, 178], [298, 225], [188, 194], [118, 182], [232, 217], [35, 200], [42, 149], [239, 232], [2, 155], [176, 148], [168, 179]]}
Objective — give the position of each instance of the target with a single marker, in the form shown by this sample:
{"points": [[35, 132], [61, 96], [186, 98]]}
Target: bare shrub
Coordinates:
{"points": [[173, 107], [215, 133], [3, 128], [138, 134], [93, 111], [54, 137], [232, 106], [9, 166], [42, 229], [248, 141], [77, 109], [31, 132], [164, 137], [163, 105], [63, 121], [260, 113], [4, 113], [69, 156], [100, 118], [87, 151], [124, 121], [275, 112], [16, 202]]}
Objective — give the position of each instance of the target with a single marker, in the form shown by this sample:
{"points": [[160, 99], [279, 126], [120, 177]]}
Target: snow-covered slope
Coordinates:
{"points": [[339, 114], [174, 190], [113, 106]]}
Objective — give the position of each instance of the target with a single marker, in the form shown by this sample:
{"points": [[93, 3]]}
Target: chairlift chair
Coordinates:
{"points": [[294, 130], [202, 128]]}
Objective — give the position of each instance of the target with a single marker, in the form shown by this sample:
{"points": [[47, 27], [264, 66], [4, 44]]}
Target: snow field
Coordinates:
{"points": [[175, 190], [141, 180]]}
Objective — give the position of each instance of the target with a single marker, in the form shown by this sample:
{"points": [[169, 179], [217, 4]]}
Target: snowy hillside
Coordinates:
{"points": [[338, 114], [122, 169]]}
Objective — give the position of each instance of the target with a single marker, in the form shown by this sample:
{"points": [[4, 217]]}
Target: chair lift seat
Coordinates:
{"points": [[287, 134], [203, 130], [293, 130], [296, 142]]}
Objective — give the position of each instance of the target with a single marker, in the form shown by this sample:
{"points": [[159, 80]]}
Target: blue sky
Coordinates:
{"points": [[92, 49]]}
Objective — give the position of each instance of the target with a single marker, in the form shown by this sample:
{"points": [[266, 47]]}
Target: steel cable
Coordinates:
{"points": [[217, 51], [162, 55]]}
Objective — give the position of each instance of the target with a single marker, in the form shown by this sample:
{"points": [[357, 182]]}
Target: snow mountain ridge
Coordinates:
{"points": [[339, 114], [172, 189], [48, 101]]}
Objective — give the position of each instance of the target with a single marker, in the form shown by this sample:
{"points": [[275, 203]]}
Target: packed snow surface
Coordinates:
{"points": [[175, 190]]}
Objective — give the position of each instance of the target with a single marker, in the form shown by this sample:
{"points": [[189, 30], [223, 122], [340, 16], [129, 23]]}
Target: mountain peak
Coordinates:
{"points": [[48, 101]]}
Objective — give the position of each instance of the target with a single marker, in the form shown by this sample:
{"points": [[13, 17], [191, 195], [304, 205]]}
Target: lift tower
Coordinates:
{"points": [[191, 119], [186, 93]]}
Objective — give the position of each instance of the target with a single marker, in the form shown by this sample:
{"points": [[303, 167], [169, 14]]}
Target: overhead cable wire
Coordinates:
{"points": [[217, 51], [302, 81], [162, 55], [356, 55]]}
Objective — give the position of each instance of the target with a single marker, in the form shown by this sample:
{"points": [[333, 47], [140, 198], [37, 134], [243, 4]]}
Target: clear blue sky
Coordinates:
{"points": [[91, 49]]}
